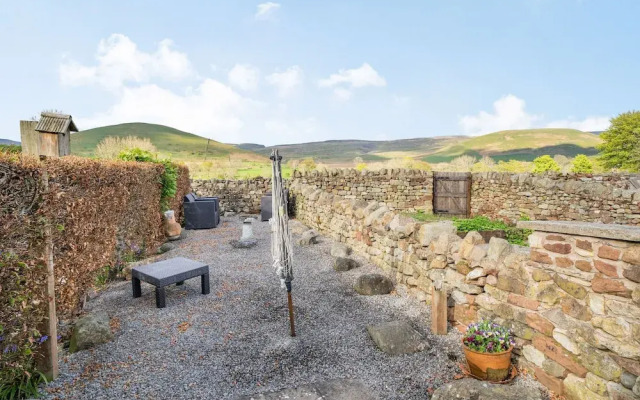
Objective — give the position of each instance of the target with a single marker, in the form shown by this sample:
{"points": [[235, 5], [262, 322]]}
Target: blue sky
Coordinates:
{"points": [[297, 71]]}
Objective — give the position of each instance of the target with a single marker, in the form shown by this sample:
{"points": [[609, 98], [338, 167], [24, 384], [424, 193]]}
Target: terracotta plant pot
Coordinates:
{"points": [[492, 367]]}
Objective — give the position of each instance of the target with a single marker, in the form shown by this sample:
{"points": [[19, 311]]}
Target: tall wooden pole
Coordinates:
{"points": [[51, 349]]}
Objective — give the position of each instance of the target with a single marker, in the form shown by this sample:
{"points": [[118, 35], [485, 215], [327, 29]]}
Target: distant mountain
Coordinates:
{"points": [[169, 142], [250, 146], [524, 145], [344, 151], [9, 142]]}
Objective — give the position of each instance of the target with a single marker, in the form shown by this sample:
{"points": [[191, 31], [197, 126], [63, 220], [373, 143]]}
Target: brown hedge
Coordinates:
{"points": [[96, 208]]}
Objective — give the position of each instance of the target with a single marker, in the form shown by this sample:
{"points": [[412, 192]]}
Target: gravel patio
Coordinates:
{"points": [[234, 341]]}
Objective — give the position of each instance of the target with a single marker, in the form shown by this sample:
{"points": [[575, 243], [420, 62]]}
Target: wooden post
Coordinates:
{"points": [[51, 348], [438, 309]]}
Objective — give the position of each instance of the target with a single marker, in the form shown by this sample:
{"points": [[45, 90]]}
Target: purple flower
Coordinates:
{"points": [[12, 348], [43, 339]]}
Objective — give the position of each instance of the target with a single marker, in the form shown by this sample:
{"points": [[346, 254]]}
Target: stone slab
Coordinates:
{"points": [[339, 389], [396, 337], [478, 390], [592, 229]]}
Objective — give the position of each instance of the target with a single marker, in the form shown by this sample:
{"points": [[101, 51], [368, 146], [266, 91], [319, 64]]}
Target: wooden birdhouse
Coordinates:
{"points": [[50, 136]]}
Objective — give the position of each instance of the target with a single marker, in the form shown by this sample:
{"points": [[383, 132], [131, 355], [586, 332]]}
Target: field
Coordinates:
{"points": [[170, 142], [523, 145]]}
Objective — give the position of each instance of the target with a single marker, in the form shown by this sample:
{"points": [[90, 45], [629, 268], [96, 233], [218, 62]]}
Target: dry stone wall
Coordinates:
{"points": [[613, 198], [242, 195], [572, 299]]}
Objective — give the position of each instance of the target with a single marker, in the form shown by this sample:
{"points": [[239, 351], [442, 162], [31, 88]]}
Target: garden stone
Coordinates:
{"points": [[498, 249], [345, 264], [429, 232], [373, 284], [308, 238], [244, 243], [340, 250], [89, 331], [396, 337], [339, 389], [165, 247], [628, 379], [478, 390]]}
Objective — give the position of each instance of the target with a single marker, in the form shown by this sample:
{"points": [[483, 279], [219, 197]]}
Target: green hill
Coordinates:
{"points": [[171, 142], [524, 145], [344, 151]]}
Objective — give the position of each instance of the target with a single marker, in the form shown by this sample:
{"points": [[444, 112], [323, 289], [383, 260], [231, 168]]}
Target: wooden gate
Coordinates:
{"points": [[452, 193]]}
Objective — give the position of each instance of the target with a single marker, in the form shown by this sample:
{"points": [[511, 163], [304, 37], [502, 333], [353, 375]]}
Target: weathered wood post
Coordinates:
{"points": [[438, 309], [51, 348]]}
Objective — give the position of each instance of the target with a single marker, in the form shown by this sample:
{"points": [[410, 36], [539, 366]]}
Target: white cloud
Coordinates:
{"points": [[286, 82], [589, 124], [355, 78], [508, 113], [212, 109], [244, 76], [266, 10], [120, 61]]}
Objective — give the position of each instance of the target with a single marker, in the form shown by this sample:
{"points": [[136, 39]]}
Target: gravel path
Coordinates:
{"points": [[235, 341]]}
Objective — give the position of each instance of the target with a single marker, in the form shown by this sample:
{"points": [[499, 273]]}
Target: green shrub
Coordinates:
{"points": [[545, 163], [169, 178], [481, 223], [10, 149], [581, 165], [621, 143]]}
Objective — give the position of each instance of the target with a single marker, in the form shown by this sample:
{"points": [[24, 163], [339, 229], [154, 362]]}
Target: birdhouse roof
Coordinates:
{"points": [[55, 123]]}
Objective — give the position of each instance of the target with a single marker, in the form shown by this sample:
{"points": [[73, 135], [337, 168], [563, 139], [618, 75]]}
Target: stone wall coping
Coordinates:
{"points": [[592, 229]]}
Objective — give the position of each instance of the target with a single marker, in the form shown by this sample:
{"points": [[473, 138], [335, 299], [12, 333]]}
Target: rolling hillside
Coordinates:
{"points": [[169, 142], [8, 142], [344, 151], [524, 145]]}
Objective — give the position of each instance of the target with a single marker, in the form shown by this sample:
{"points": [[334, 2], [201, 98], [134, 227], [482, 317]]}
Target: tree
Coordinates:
{"points": [[622, 142], [581, 165], [307, 164], [462, 163], [545, 163], [513, 166], [485, 164]]}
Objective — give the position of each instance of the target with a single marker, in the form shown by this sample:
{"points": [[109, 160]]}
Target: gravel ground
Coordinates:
{"points": [[235, 341]]}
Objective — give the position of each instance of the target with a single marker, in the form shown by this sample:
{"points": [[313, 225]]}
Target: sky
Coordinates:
{"points": [[298, 71]]}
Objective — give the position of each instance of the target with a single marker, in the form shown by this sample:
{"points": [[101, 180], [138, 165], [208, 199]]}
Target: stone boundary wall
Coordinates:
{"points": [[241, 195], [571, 300], [610, 198], [401, 189]]}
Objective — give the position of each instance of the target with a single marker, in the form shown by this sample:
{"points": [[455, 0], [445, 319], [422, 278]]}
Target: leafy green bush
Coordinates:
{"points": [[581, 165], [169, 178], [481, 223], [621, 146], [545, 163]]}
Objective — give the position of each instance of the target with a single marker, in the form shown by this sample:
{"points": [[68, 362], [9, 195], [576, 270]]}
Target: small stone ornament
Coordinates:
{"points": [[247, 240], [172, 229]]}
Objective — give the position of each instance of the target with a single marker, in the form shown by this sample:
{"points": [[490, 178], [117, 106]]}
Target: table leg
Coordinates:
{"points": [[160, 297], [205, 283], [180, 283], [137, 290]]}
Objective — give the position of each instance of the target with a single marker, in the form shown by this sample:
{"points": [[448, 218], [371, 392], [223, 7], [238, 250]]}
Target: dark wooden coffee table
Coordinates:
{"points": [[167, 272]]}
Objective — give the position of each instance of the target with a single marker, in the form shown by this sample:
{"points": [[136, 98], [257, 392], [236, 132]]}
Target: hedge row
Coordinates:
{"points": [[97, 210]]}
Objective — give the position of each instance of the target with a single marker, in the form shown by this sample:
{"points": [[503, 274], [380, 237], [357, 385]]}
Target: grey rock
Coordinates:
{"points": [[165, 247], [229, 214], [430, 232], [89, 331], [628, 379], [498, 249], [340, 250], [339, 389], [479, 390], [396, 337], [307, 238], [244, 243], [636, 387], [345, 264], [373, 284]]}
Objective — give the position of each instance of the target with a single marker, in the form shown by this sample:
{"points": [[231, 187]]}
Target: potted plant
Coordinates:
{"points": [[487, 348]]}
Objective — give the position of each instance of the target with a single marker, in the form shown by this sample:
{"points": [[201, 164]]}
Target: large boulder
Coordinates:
{"points": [[339, 389], [479, 390], [396, 337], [340, 250], [89, 331], [373, 284], [345, 264], [431, 231], [308, 238]]}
